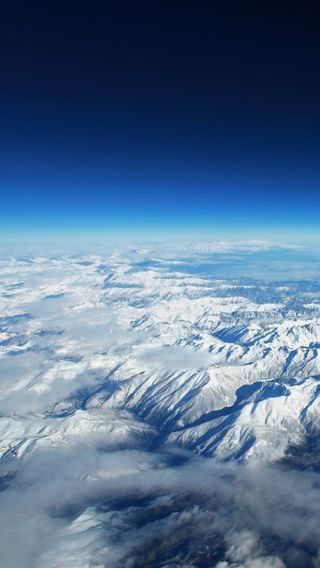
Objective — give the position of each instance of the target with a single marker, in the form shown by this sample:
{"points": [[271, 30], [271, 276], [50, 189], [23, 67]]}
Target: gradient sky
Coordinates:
{"points": [[160, 117]]}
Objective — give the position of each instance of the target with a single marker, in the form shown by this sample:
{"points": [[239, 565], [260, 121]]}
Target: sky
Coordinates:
{"points": [[160, 118]]}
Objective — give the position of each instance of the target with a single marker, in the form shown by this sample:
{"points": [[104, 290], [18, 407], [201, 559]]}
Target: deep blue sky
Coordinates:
{"points": [[160, 116]]}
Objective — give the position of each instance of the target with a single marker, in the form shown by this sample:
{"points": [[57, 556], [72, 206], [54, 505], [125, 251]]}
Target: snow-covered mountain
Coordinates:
{"points": [[140, 352]]}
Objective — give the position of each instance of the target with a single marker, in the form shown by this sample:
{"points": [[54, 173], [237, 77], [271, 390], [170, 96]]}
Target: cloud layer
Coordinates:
{"points": [[85, 503]]}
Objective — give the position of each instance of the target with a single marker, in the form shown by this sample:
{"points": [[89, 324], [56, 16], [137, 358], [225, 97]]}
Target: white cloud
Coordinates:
{"points": [[174, 357]]}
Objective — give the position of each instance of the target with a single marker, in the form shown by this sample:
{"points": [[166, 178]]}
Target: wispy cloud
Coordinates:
{"points": [[131, 507]]}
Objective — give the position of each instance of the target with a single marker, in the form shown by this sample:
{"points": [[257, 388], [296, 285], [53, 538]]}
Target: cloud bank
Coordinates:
{"points": [[87, 505]]}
